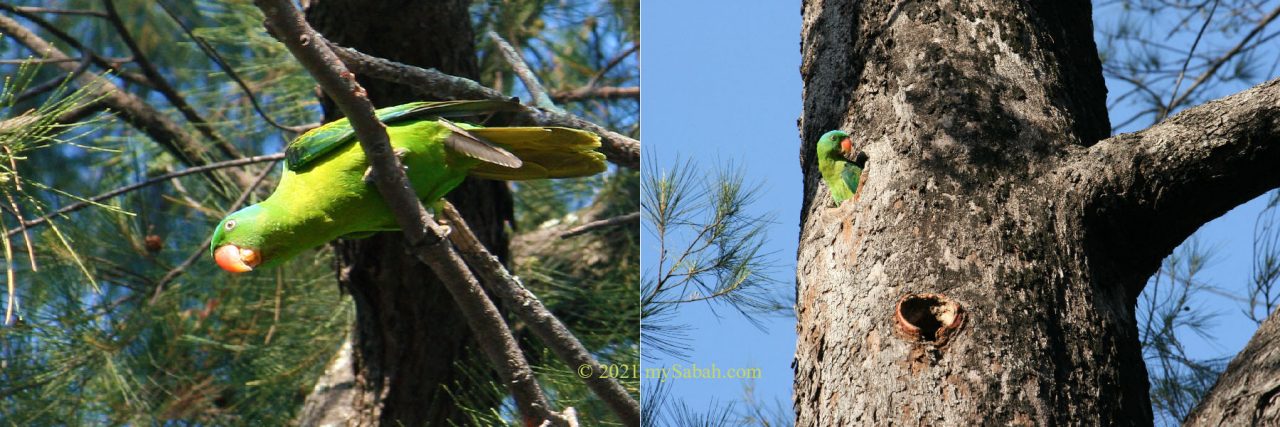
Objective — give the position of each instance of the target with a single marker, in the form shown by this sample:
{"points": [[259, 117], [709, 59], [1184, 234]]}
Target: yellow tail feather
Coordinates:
{"points": [[546, 152]]}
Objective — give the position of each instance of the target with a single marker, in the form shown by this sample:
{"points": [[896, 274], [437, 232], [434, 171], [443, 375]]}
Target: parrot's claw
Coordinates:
{"points": [[368, 172]]}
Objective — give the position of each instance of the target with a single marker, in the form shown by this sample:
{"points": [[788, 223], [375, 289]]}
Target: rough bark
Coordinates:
{"points": [[987, 271], [409, 337], [1248, 393]]}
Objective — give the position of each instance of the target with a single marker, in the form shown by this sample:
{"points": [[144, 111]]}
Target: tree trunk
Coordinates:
{"points": [[410, 342], [987, 270]]}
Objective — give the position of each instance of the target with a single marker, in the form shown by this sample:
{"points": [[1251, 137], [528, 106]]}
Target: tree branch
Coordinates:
{"points": [[620, 149], [603, 92], [549, 329], [423, 235], [1145, 192], [1248, 392], [522, 71], [607, 222], [53, 11]]}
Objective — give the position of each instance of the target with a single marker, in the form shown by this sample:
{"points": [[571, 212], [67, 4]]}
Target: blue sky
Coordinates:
{"points": [[721, 84]]}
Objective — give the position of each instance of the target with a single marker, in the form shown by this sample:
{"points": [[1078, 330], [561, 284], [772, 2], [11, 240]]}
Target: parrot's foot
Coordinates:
{"points": [[368, 172], [437, 211]]}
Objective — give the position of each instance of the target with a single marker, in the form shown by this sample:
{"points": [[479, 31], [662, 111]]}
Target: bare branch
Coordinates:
{"points": [[55, 61], [620, 149], [522, 70], [549, 329], [603, 92], [613, 62], [423, 235], [607, 222], [53, 11]]}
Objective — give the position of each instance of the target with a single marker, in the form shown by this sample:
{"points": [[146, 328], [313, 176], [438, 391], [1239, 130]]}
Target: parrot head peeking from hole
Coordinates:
{"points": [[835, 151]]}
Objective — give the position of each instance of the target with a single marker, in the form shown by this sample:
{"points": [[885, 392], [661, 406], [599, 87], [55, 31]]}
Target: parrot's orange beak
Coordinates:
{"points": [[236, 259], [846, 147]]}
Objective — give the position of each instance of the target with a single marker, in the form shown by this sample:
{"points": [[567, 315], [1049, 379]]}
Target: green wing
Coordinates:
{"points": [[320, 141], [850, 176]]}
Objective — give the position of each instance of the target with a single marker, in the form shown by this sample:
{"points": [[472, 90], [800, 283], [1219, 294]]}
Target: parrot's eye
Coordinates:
{"points": [[229, 225]]}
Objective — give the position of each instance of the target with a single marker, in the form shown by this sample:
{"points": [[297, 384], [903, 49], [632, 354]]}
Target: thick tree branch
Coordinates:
{"points": [[424, 236], [620, 149], [137, 112], [1147, 191], [1248, 393], [549, 329]]}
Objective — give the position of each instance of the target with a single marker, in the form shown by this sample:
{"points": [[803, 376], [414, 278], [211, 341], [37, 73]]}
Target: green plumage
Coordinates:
{"points": [[323, 193], [840, 174]]}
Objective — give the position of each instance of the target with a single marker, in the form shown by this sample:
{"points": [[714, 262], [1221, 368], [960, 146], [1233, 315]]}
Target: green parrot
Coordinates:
{"points": [[834, 151], [327, 191]]}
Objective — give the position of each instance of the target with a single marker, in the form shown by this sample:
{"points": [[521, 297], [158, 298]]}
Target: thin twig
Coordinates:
{"points": [[603, 92], [522, 71], [430, 83], [607, 222], [549, 329], [231, 72], [201, 250], [188, 171], [275, 315], [55, 61], [1190, 54], [424, 237], [617, 59], [52, 11], [1213, 68]]}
